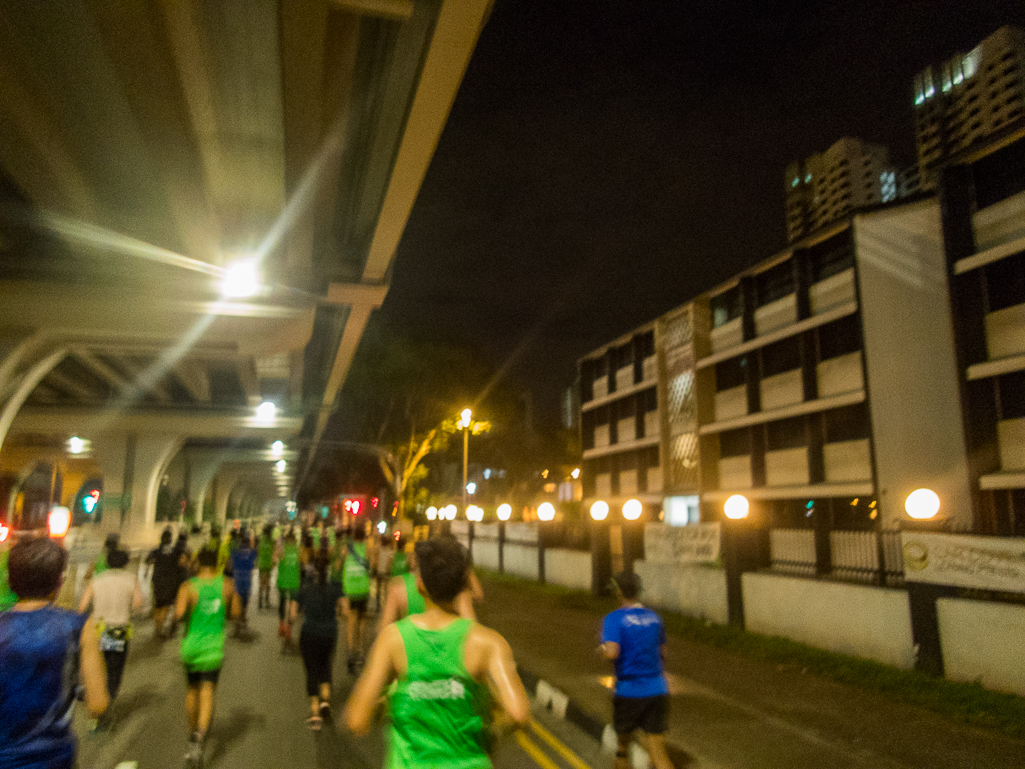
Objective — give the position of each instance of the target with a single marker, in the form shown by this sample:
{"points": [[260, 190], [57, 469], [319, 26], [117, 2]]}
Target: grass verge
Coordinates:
{"points": [[970, 704]]}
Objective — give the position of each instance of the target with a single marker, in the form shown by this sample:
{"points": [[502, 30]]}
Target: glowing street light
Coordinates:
{"points": [[432, 513], [471, 488], [600, 510], [277, 448], [632, 509], [241, 280], [266, 412], [382, 527], [474, 513], [922, 504], [76, 445], [736, 507], [575, 474], [280, 465], [546, 511], [450, 512], [504, 512], [464, 418], [464, 422], [59, 521]]}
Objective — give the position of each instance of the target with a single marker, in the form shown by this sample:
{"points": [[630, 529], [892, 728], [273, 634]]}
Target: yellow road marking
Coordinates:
{"points": [[535, 752], [571, 758]]}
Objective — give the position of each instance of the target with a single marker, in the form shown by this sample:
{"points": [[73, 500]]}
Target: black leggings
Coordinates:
{"points": [[115, 669], [318, 652]]}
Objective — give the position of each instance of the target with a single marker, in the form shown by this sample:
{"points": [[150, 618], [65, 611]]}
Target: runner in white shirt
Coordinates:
{"points": [[115, 595]]}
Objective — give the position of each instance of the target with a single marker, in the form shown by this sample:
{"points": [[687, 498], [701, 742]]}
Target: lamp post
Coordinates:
{"points": [[464, 422]]}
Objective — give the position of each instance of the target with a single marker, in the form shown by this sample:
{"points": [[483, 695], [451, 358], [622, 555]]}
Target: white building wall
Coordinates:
{"points": [[848, 461], [868, 622], [1000, 223], [1005, 332], [730, 403], [781, 390], [1011, 436], [833, 291], [776, 315], [918, 436], [735, 472], [568, 568], [697, 591], [786, 467], [842, 374]]}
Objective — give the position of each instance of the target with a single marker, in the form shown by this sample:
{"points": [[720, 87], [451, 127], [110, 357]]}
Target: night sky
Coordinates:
{"points": [[607, 161]]}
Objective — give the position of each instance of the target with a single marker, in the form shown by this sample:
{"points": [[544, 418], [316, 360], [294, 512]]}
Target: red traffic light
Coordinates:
{"points": [[374, 502]]}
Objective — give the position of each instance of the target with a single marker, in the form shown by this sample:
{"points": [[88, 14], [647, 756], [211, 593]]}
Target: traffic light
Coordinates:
{"points": [[352, 506], [4, 531], [90, 501], [374, 501]]}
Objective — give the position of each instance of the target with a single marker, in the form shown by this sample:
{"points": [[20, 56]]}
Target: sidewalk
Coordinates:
{"points": [[731, 712]]}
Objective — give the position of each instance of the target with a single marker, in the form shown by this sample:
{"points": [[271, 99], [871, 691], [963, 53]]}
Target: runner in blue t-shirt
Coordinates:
{"points": [[633, 637]]}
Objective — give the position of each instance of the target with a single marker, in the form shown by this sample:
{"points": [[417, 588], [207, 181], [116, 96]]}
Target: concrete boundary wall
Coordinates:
{"points": [[485, 553], [568, 568], [982, 641], [690, 589], [857, 620], [520, 560]]}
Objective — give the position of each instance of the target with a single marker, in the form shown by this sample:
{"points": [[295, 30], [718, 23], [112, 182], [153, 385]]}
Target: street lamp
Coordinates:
{"points": [[241, 280], [504, 512], [546, 511], [464, 422], [266, 412], [432, 513], [632, 509], [600, 510], [277, 448], [736, 507], [922, 504]]}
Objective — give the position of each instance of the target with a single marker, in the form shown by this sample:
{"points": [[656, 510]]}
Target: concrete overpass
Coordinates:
{"points": [[200, 203]]}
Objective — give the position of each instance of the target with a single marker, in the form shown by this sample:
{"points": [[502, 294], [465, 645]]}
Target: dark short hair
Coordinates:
{"points": [[443, 564], [166, 536], [628, 584], [35, 567], [111, 540], [117, 559], [208, 558]]}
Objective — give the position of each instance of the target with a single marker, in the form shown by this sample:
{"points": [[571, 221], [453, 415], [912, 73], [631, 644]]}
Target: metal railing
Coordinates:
{"points": [[870, 557]]}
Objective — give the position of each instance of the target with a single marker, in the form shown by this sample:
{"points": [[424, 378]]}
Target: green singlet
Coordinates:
{"points": [[265, 554], [315, 536], [399, 564], [288, 568], [101, 563], [415, 601], [439, 713], [356, 578], [7, 596], [203, 645], [337, 551]]}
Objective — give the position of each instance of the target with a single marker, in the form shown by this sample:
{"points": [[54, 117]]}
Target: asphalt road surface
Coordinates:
{"points": [[260, 713]]}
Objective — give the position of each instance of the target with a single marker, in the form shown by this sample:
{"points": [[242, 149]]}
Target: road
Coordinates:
{"points": [[260, 712]]}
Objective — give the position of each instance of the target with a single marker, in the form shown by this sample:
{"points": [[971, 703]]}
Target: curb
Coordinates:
{"points": [[560, 705]]}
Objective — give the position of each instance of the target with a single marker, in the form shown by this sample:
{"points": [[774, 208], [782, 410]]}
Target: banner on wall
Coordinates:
{"points": [[696, 543], [962, 560]]}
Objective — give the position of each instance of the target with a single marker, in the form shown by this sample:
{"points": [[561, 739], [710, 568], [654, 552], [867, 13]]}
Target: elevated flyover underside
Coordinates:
{"points": [[146, 148]]}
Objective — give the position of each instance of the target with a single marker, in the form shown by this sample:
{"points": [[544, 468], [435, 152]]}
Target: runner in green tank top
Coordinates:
{"points": [[289, 571], [356, 586], [207, 600], [439, 707]]}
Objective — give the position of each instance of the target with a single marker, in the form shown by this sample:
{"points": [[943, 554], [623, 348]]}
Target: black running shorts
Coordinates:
{"points": [[359, 605], [196, 677], [649, 714]]}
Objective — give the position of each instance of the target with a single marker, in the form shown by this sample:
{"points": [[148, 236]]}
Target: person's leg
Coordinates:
{"points": [[655, 744], [192, 707], [160, 619], [308, 652], [207, 689], [623, 751], [115, 670]]}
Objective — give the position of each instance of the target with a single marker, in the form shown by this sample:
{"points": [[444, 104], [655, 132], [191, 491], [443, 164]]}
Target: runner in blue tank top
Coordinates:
{"points": [[42, 651]]}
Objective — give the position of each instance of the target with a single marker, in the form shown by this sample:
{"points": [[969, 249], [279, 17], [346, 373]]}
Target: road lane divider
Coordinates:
{"points": [[535, 752], [558, 746]]}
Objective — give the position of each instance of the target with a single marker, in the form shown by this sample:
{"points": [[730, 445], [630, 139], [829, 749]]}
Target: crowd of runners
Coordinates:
{"points": [[449, 684]]}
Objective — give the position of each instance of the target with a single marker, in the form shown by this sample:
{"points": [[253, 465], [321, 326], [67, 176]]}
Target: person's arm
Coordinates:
{"points": [[137, 599], [232, 599], [365, 699], [394, 605], [87, 599], [181, 604], [93, 669], [506, 683], [610, 639]]}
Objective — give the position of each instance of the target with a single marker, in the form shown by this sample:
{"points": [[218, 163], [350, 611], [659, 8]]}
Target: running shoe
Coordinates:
{"points": [[194, 755], [315, 723], [325, 710]]}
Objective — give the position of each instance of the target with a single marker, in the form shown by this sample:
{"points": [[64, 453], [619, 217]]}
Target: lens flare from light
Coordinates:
{"points": [[241, 280], [266, 412], [277, 448]]}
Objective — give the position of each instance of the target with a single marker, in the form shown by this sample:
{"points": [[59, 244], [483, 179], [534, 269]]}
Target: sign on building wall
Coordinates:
{"points": [[986, 563], [697, 543]]}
